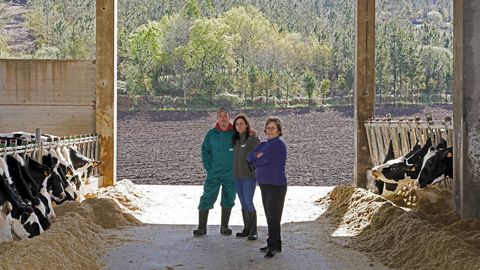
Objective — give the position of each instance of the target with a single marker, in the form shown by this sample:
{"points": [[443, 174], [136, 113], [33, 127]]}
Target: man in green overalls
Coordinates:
{"points": [[217, 158]]}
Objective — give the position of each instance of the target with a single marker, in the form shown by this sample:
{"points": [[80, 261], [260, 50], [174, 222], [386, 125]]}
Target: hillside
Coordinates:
{"points": [[20, 39]]}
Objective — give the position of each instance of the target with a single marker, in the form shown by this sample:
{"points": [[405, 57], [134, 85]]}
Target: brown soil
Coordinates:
{"points": [[164, 147]]}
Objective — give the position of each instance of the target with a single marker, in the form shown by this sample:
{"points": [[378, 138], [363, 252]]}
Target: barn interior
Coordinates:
{"points": [[121, 225]]}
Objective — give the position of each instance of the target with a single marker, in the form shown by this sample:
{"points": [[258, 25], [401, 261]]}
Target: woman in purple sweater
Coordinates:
{"points": [[269, 159]]}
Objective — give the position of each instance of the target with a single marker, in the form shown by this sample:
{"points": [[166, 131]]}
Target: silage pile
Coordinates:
{"points": [[75, 239], [430, 236], [128, 197]]}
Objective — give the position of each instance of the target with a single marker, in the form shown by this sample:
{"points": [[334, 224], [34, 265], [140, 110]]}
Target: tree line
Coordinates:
{"points": [[241, 55], [262, 52]]}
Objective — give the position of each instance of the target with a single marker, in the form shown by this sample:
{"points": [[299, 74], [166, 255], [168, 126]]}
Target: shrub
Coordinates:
{"points": [[228, 100]]}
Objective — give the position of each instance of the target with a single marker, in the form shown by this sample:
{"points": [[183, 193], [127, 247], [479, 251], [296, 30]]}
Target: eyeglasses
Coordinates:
{"points": [[271, 128]]}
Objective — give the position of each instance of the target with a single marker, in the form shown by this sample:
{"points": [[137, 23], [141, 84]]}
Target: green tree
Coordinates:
{"points": [[252, 78], [191, 10], [145, 47], [66, 25], [209, 48], [324, 88], [412, 65], [382, 62], [437, 62], [309, 84], [249, 29], [341, 83]]}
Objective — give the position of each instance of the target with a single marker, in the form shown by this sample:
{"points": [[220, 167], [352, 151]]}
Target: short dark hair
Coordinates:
{"points": [[277, 121], [223, 109]]}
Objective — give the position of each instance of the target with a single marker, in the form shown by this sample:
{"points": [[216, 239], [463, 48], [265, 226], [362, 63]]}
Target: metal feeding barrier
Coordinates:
{"points": [[404, 133], [86, 144]]}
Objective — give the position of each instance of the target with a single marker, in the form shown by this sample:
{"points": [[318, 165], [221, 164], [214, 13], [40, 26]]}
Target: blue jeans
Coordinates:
{"points": [[246, 190]]}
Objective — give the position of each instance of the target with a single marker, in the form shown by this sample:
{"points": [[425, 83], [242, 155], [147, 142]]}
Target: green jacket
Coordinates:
{"points": [[217, 153]]}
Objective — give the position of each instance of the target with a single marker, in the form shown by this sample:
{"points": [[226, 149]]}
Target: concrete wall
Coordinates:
{"points": [[466, 107], [57, 96]]}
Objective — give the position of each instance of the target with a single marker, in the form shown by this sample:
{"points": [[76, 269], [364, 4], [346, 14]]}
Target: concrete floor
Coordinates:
{"points": [[170, 214]]}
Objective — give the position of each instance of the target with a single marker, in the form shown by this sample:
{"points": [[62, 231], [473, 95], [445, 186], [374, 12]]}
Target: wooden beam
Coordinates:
{"points": [[466, 111], [105, 88], [364, 85]]}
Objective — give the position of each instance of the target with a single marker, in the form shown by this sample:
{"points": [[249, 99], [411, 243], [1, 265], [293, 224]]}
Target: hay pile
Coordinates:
{"points": [[128, 197], [75, 239], [430, 236]]}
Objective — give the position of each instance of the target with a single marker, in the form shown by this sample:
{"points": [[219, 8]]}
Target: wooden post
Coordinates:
{"points": [[466, 111], [105, 88], [364, 85]]}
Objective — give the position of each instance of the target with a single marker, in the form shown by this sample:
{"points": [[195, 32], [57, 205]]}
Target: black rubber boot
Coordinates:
{"points": [[246, 222], [270, 253], [253, 225], [278, 248], [202, 223], [224, 223]]}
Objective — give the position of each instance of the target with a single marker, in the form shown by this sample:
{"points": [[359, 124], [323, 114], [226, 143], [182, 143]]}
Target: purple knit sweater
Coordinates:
{"points": [[270, 167]]}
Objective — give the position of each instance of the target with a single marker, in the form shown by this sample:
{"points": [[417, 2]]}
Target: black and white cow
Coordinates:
{"points": [[50, 186], [394, 174], [405, 170], [437, 166], [22, 136], [27, 187], [81, 163], [415, 161], [18, 181], [72, 177], [24, 222], [5, 209], [83, 168], [50, 159], [383, 187]]}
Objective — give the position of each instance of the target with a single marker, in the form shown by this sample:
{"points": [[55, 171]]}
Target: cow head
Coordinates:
{"points": [[393, 170], [25, 223], [80, 162], [55, 186], [390, 172], [438, 165], [415, 160]]}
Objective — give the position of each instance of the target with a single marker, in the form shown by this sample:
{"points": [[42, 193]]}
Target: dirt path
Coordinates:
{"points": [[169, 244]]}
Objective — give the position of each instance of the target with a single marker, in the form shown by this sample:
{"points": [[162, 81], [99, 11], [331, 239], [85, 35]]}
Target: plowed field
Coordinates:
{"points": [[164, 147]]}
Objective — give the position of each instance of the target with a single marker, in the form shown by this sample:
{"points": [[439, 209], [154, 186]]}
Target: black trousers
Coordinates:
{"points": [[273, 199]]}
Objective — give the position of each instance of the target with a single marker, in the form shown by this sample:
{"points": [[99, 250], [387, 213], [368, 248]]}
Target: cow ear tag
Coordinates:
{"points": [[449, 154]]}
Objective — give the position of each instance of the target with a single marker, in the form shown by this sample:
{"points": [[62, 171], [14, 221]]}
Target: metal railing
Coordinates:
{"points": [[87, 145], [404, 133]]}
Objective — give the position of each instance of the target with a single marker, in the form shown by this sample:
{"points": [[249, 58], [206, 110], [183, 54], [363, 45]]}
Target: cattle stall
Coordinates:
{"points": [[404, 133], [86, 144]]}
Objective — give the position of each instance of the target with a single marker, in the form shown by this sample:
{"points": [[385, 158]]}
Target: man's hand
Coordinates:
{"points": [[259, 154]]}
